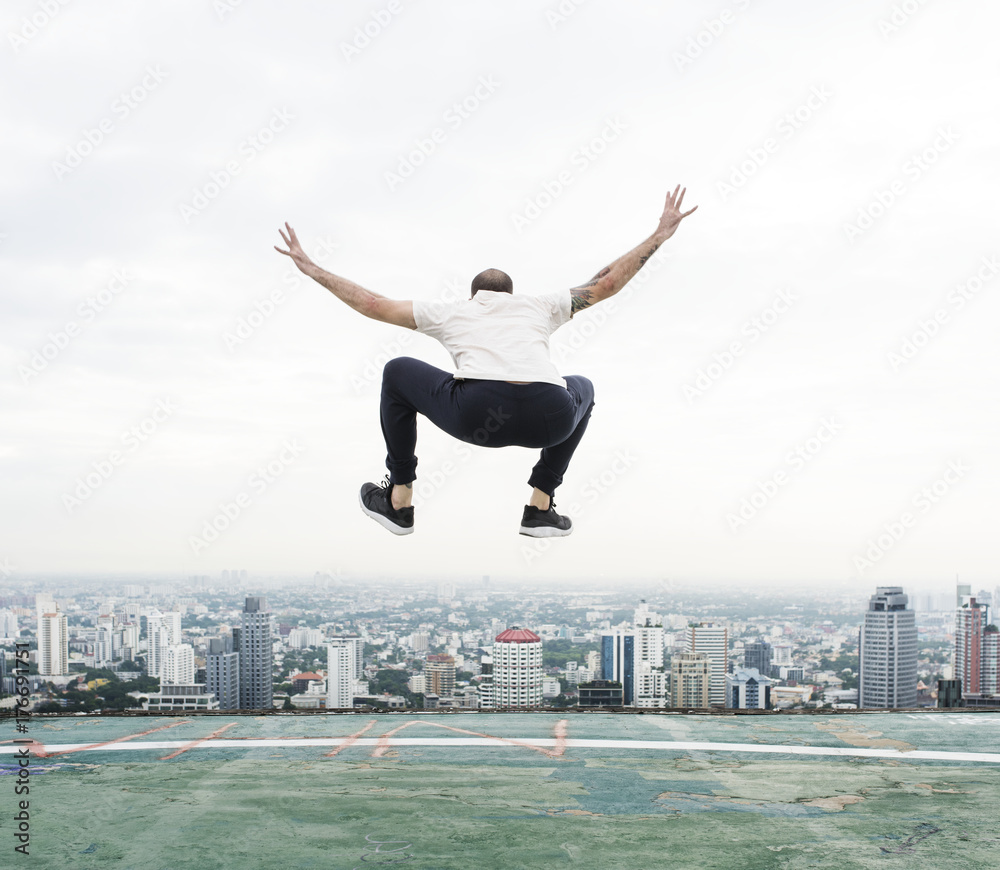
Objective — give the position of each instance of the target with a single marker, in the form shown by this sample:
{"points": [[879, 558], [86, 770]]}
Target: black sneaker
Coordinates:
{"points": [[545, 524], [376, 501]]}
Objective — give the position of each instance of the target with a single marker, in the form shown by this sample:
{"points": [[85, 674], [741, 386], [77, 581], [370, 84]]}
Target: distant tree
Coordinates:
{"points": [[391, 681], [142, 684], [555, 653], [48, 707], [85, 702]]}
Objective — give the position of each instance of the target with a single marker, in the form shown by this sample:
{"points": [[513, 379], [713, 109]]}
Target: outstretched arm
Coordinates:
{"points": [[394, 311], [612, 278]]}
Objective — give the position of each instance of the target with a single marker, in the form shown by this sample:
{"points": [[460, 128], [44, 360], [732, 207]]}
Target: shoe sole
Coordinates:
{"points": [[545, 531], [384, 521]]}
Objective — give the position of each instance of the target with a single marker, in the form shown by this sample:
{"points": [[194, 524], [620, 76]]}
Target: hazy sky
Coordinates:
{"points": [[803, 385]]}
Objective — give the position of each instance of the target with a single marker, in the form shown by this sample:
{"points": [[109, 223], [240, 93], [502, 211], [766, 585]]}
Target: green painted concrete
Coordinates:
{"points": [[514, 807]]}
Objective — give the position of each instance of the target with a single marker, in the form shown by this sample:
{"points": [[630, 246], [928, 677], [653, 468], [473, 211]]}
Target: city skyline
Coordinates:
{"points": [[454, 647]]}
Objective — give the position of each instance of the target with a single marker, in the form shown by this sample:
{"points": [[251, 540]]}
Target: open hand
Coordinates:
{"points": [[294, 248], [672, 214]]}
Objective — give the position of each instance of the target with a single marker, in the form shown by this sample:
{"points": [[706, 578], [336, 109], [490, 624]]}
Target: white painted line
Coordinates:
{"points": [[540, 742]]}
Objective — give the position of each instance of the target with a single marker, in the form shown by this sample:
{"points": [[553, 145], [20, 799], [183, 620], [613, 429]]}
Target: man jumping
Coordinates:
{"points": [[505, 390]]}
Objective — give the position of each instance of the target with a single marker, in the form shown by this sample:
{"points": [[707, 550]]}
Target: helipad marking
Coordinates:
{"points": [[194, 744], [350, 741], [540, 744], [42, 751], [537, 745]]}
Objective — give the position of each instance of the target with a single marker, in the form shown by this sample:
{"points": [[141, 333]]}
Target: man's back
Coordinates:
{"points": [[498, 336]]}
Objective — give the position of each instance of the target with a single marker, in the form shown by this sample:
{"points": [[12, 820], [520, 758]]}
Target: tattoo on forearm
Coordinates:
{"points": [[581, 297], [644, 257]]}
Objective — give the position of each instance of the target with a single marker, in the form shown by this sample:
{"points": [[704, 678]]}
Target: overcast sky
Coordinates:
{"points": [[801, 387]]}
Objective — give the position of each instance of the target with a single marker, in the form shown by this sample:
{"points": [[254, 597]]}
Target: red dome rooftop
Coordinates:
{"points": [[517, 635]]}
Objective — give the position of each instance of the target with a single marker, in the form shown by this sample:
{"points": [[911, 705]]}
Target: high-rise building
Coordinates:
{"points": [[690, 680], [517, 669], [439, 674], [222, 673], [130, 641], [485, 683], [340, 676], [781, 654], [652, 688], [302, 638], [357, 645], [162, 630], [104, 641], [757, 656], [651, 683], [888, 651], [648, 645], [53, 644], [8, 625], [977, 649], [618, 662], [419, 641], [256, 655], [711, 641], [178, 665], [748, 689]]}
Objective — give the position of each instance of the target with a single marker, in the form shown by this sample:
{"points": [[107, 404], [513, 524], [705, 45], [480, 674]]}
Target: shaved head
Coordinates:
{"points": [[493, 280]]}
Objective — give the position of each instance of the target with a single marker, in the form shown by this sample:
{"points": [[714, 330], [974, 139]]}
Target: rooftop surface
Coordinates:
{"points": [[531, 790]]}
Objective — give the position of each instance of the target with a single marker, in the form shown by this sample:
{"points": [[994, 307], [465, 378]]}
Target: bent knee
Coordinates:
{"points": [[397, 366], [583, 387]]}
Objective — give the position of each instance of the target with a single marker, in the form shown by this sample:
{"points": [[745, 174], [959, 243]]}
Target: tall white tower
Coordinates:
{"points": [[357, 646], [339, 675], [517, 669], [53, 644], [162, 630], [178, 665]]}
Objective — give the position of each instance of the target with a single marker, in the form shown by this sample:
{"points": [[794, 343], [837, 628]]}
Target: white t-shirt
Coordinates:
{"points": [[498, 336]]}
